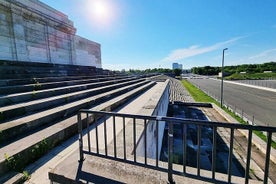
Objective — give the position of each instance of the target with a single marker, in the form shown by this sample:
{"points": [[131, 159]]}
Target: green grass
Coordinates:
{"points": [[200, 96], [253, 76], [197, 94]]}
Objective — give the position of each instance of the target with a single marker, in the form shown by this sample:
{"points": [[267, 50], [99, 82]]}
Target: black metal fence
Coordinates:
{"points": [[112, 151]]}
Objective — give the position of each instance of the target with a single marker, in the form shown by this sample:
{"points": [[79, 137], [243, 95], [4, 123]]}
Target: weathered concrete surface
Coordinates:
{"points": [[100, 170], [257, 141], [40, 169], [32, 31], [67, 127]]}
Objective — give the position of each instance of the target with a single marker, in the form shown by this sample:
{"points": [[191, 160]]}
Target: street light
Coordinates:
{"points": [[221, 88]]}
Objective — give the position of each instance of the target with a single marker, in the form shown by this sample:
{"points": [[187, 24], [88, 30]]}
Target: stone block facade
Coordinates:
{"points": [[34, 32]]}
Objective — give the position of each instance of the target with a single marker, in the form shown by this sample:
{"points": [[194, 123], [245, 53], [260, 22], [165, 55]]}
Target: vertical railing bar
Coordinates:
{"points": [[97, 138], [198, 148], [267, 158], [145, 138], [88, 132], [80, 137], [157, 139], [184, 134], [214, 152], [124, 136], [230, 155], [114, 136], [134, 139], [249, 145], [170, 152], [105, 137]]}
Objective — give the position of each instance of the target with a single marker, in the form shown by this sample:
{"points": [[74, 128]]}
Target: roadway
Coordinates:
{"points": [[245, 100]]}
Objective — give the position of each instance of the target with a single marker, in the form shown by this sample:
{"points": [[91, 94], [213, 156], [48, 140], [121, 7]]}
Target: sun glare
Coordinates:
{"points": [[101, 12], [100, 9]]}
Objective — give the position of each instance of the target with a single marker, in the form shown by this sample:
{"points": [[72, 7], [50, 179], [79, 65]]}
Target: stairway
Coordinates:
{"points": [[37, 114]]}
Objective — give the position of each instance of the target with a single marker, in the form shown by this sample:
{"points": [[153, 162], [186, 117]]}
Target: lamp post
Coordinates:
{"points": [[221, 87]]}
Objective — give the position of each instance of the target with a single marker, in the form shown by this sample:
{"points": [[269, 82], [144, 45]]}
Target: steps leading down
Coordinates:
{"points": [[34, 121]]}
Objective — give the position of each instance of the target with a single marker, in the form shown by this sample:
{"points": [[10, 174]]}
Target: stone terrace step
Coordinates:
{"points": [[23, 149], [32, 95], [46, 85], [12, 111], [18, 69], [22, 81], [14, 128]]}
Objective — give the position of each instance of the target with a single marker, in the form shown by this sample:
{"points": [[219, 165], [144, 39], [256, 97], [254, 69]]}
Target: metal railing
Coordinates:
{"points": [[99, 118]]}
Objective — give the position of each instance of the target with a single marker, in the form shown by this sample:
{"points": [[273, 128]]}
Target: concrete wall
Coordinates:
{"points": [[87, 52], [32, 31], [160, 109]]}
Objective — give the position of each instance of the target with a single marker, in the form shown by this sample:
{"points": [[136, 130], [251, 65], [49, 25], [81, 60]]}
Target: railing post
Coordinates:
{"points": [[157, 140], [230, 155], [198, 149], [214, 152], [248, 156], [267, 156], [80, 137], [170, 152]]}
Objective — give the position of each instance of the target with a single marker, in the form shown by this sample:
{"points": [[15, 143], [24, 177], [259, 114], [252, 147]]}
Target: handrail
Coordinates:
{"points": [[94, 116]]}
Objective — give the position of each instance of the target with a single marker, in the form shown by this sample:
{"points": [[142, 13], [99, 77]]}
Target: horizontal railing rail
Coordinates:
{"points": [[96, 119]]}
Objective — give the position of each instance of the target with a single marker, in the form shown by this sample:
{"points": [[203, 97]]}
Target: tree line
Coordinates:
{"points": [[247, 68], [175, 72]]}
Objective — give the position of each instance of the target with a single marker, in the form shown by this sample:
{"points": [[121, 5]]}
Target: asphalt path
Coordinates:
{"points": [[251, 101]]}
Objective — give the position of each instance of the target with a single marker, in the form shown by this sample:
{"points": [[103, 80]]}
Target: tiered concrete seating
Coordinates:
{"points": [[17, 70], [34, 120]]}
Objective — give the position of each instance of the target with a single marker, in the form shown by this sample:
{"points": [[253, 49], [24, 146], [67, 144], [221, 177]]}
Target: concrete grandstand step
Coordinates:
{"points": [[32, 95], [19, 69], [22, 149], [14, 128], [12, 111], [22, 81], [46, 85]]}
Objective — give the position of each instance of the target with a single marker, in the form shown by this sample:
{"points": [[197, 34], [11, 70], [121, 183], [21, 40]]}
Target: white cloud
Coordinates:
{"points": [[194, 50], [262, 57], [265, 56]]}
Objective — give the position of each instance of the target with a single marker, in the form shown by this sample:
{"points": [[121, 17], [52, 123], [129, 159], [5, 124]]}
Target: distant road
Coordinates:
{"points": [[251, 101]]}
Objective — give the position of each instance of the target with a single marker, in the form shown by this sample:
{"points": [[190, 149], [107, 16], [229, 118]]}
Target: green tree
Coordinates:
{"points": [[177, 72]]}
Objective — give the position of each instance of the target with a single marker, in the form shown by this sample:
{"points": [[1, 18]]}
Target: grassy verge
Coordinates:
{"points": [[253, 76], [197, 94], [200, 96]]}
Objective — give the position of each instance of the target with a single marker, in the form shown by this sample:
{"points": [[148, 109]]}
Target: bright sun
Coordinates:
{"points": [[101, 12], [100, 9]]}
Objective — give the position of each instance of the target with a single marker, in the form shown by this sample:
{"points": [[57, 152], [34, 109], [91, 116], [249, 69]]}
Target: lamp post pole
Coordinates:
{"points": [[222, 75]]}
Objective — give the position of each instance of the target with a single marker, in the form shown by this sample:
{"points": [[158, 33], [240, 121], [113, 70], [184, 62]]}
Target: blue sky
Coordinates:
{"points": [[141, 34]]}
